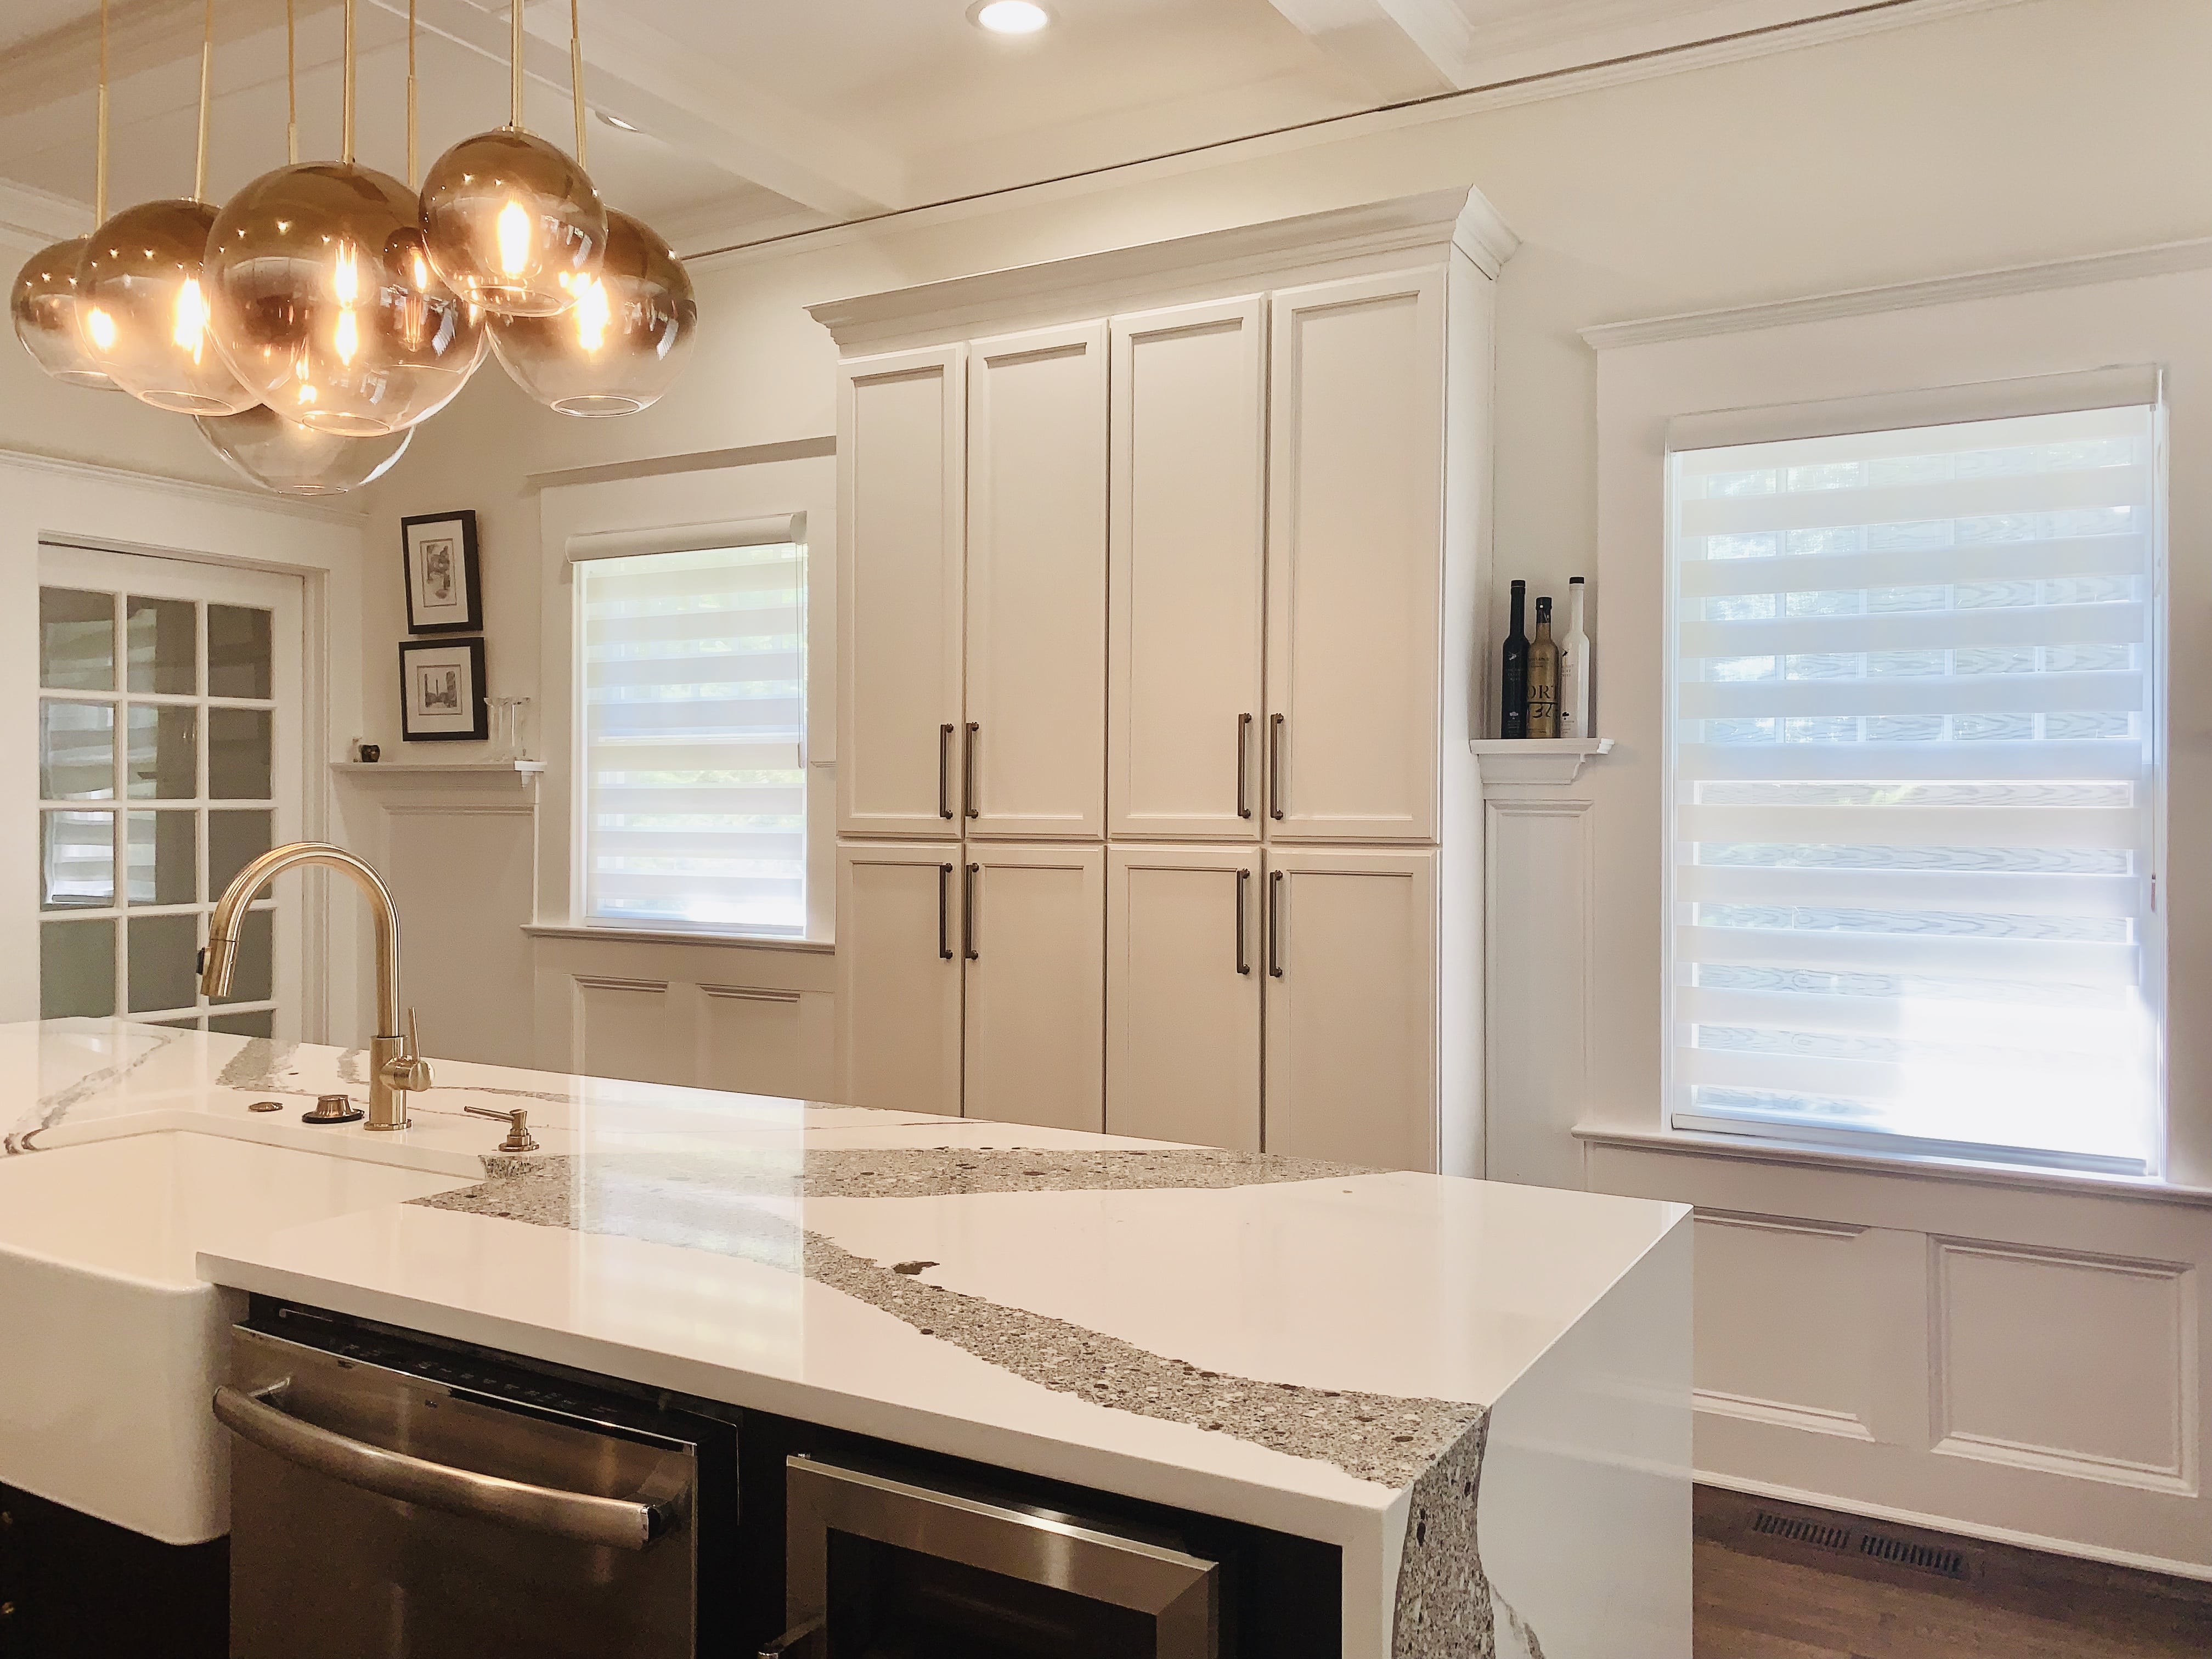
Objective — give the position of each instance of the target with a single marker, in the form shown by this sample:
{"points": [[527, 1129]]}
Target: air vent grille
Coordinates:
{"points": [[1922, 1557], [1799, 1529]]}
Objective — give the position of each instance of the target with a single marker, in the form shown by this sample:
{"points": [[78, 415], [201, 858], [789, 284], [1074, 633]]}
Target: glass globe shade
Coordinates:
{"points": [[324, 301], [143, 310], [514, 224], [264, 448], [44, 306], [624, 341]]}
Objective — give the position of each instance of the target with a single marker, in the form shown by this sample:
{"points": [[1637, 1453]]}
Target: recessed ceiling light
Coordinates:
{"points": [[616, 122], [1010, 16]]}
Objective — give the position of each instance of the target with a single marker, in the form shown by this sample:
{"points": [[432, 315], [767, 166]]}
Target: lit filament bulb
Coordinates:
{"points": [[101, 327], [345, 284], [592, 313], [190, 332], [513, 239]]}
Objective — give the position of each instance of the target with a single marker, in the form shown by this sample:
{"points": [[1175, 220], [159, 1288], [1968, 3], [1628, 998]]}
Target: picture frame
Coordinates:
{"points": [[445, 582], [441, 691]]}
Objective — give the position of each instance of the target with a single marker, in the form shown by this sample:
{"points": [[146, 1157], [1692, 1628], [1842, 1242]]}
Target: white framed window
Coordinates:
{"points": [[691, 732], [1915, 769]]}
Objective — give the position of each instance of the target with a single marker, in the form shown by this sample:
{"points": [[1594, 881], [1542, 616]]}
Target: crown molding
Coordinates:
{"points": [[185, 489], [2163, 259], [1432, 222]]}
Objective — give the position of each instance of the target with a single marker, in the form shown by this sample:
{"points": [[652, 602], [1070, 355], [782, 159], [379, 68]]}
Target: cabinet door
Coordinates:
{"points": [[1352, 1006], [1355, 566], [1036, 583], [1183, 994], [901, 542], [1036, 954], [898, 977], [1188, 566]]}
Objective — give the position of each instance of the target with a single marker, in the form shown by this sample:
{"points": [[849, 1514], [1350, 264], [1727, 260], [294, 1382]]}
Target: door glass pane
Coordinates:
{"points": [[76, 639], [235, 841], [164, 647], [261, 1024], [254, 978], [77, 862], [238, 753], [76, 970], [76, 751], [161, 764], [238, 651], [162, 856], [164, 953]]}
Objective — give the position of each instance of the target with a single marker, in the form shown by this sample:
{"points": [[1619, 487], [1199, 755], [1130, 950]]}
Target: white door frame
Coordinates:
{"points": [[45, 500]]}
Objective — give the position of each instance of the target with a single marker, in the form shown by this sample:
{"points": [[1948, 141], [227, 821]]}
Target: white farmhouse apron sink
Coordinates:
{"points": [[111, 1346]]}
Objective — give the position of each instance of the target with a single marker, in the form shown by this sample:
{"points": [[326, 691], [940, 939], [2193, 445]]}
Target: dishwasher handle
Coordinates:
{"points": [[612, 1522]]}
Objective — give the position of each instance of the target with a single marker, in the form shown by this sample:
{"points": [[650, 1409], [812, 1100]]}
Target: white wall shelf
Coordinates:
{"points": [[1535, 760], [525, 768]]}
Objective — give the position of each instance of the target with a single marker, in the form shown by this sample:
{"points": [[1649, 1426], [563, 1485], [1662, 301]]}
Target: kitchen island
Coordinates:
{"points": [[1479, 1393]]}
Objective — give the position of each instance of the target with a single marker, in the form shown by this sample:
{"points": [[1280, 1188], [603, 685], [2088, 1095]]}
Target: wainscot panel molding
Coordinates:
{"points": [[1540, 900]]}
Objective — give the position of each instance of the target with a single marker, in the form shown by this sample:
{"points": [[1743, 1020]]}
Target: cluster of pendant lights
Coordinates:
{"points": [[312, 323]]}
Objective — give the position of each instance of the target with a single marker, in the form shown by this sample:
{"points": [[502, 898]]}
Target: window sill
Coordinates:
{"points": [[680, 936], [1752, 1149]]}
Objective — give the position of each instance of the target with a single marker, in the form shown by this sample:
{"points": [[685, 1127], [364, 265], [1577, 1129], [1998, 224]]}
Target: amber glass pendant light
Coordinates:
{"points": [[513, 225], [142, 294], [625, 340], [264, 448], [324, 299], [43, 304]]}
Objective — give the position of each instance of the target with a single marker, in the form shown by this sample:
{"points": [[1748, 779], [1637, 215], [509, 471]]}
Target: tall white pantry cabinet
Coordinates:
{"points": [[1162, 584]]}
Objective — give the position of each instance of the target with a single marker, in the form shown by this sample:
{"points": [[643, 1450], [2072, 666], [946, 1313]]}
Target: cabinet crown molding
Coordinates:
{"points": [[1150, 273]]}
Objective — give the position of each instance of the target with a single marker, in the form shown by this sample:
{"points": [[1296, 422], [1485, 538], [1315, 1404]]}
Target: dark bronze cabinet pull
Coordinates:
{"points": [[945, 770], [967, 913], [967, 769], [1275, 924], [1243, 884], [1244, 766], [945, 911], [1275, 766]]}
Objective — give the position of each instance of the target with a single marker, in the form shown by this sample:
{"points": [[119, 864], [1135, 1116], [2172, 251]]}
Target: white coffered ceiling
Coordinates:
{"points": [[756, 117]]}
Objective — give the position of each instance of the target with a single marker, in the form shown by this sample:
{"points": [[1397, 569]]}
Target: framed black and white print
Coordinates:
{"points": [[441, 691], [445, 591]]}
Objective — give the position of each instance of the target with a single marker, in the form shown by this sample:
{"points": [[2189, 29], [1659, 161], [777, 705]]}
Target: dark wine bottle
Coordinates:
{"points": [[1513, 702], [1543, 676]]}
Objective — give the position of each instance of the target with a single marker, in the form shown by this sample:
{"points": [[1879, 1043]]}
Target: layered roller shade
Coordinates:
{"points": [[692, 679], [1915, 679]]}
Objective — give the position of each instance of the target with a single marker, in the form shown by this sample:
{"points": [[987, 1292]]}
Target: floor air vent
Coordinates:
{"points": [[1922, 1557], [1800, 1531]]}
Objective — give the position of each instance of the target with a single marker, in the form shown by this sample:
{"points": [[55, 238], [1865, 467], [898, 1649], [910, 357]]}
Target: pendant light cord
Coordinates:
{"points": [[291, 85], [207, 80], [345, 102], [576, 72], [100, 163], [414, 173], [514, 65]]}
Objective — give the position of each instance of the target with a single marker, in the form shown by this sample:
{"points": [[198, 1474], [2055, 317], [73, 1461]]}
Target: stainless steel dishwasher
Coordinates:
{"points": [[397, 1500]]}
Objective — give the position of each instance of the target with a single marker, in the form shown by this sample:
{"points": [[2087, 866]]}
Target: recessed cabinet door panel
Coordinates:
{"points": [[1035, 1009], [1352, 1006], [1036, 583], [900, 487], [1188, 560], [1355, 557], [1183, 994], [898, 977]]}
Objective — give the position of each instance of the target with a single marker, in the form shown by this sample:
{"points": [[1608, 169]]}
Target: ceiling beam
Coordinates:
{"points": [[1397, 50], [654, 82]]}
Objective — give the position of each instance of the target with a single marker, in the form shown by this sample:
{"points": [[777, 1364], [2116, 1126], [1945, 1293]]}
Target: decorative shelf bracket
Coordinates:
{"points": [[1505, 761]]}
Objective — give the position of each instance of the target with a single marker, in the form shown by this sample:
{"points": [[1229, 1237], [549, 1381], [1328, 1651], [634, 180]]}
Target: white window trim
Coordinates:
{"points": [[2051, 394], [1947, 332], [721, 506]]}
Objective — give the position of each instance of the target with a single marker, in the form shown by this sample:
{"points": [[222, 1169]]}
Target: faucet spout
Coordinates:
{"points": [[395, 1068]]}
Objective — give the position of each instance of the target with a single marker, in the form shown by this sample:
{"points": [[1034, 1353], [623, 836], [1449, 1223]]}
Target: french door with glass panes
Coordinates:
{"points": [[169, 755]]}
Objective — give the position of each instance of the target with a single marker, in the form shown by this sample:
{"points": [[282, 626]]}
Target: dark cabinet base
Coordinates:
{"points": [[75, 1588]]}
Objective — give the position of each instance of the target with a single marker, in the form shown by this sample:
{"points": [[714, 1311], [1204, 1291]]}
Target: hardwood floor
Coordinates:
{"points": [[1776, 1581]]}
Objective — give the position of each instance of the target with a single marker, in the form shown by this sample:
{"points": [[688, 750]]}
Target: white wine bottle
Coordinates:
{"points": [[1543, 676], [1575, 669]]}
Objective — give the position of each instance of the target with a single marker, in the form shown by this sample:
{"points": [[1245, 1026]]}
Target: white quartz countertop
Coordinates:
{"points": [[1292, 1345]]}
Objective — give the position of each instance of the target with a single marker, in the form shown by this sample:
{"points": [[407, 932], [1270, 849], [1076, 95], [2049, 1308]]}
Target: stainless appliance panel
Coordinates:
{"points": [[490, 1557]]}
